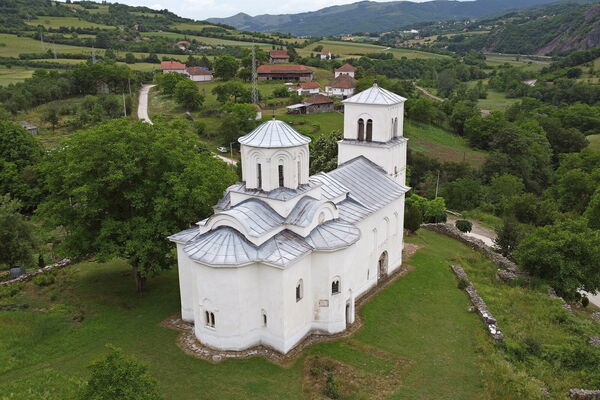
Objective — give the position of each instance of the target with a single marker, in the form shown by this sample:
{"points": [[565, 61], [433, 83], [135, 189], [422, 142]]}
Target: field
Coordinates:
{"points": [[15, 45], [348, 49], [418, 340], [494, 59], [57, 22], [207, 40], [14, 75], [496, 101], [594, 142]]}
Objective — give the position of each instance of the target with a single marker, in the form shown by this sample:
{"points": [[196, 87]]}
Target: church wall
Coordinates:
{"points": [[186, 288], [391, 159], [380, 115]]}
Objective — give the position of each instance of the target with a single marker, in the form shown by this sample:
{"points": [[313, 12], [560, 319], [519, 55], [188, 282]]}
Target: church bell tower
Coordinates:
{"points": [[374, 128]]}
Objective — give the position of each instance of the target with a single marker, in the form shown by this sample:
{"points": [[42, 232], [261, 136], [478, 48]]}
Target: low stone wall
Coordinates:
{"points": [[30, 275], [476, 244], [479, 304], [582, 394]]}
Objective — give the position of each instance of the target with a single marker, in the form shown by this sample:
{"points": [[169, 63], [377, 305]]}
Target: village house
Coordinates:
{"points": [[326, 55], [172, 66], [342, 87], [286, 254], [345, 69], [199, 74], [306, 88], [284, 72], [313, 105], [278, 56]]}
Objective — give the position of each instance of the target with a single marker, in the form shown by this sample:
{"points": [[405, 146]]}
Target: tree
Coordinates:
{"points": [[226, 67], [480, 130], [167, 82], [17, 241], [461, 112], [232, 91], [413, 218], [324, 152], [574, 73], [463, 194], [130, 58], [187, 94], [318, 48], [124, 202], [508, 236], [238, 120], [422, 110], [502, 188], [463, 225], [51, 117], [566, 255], [592, 212], [117, 376]]}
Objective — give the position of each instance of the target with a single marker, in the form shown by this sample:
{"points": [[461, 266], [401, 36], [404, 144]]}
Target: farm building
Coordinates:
{"points": [[198, 74], [278, 56], [342, 87], [325, 55], [313, 105], [345, 69], [172, 66], [306, 88], [285, 72]]}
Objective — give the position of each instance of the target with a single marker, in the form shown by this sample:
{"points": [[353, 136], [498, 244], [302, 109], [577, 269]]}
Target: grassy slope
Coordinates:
{"points": [[348, 49], [14, 75], [594, 142], [437, 341], [57, 22]]}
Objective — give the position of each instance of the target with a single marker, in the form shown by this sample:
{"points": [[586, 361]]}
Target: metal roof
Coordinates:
{"points": [[352, 211], [330, 188], [274, 134], [280, 193], [333, 235], [375, 95], [256, 216], [303, 212]]}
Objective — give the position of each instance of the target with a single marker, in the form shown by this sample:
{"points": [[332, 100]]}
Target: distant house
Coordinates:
{"points": [[306, 88], [284, 72], [345, 69], [313, 105], [183, 45], [172, 66], [205, 47], [198, 74], [278, 56], [343, 86], [29, 127], [325, 55]]}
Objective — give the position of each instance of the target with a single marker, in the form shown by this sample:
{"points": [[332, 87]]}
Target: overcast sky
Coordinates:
{"points": [[203, 9]]}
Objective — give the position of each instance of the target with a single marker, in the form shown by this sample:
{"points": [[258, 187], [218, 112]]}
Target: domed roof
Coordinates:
{"points": [[273, 134], [375, 95]]}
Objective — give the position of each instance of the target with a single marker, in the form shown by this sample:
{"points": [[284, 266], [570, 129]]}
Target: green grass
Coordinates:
{"points": [[207, 40], [594, 142], [15, 45], [313, 125], [57, 22], [347, 49], [14, 75], [496, 101], [440, 144]]}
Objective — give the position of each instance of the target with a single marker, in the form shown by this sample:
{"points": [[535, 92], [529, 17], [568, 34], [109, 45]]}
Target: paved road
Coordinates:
{"points": [[143, 103], [226, 159]]}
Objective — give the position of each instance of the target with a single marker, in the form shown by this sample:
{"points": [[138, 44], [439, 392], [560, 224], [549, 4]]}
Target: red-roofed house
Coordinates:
{"points": [[306, 88], [278, 56], [345, 69], [326, 55], [343, 86], [198, 74], [284, 72], [172, 66]]}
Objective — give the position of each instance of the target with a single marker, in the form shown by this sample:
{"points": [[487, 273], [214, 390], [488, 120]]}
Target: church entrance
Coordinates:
{"points": [[383, 265]]}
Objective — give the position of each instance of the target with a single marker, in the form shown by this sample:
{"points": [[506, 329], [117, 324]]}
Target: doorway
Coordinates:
{"points": [[382, 265]]}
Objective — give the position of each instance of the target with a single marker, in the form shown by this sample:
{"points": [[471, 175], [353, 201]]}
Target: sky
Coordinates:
{"points": [[203, 9]]}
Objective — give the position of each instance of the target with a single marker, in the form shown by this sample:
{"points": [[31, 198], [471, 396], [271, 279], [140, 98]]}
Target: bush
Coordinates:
{"points": [[281, 91], [463, 225], [585, 301], [331, 390], [10, 290], [413, 218], [463, 284], [44, 279]]}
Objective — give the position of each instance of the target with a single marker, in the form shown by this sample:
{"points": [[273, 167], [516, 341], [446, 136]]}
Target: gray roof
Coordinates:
{"points": [[274, 134], [333, 235], [280, 193], [375, 95], [256, 216], [303, 212], [330, 187]]}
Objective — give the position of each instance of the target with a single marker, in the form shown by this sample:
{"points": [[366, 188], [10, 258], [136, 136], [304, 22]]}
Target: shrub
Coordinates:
{"points": [[10, 290], [463, 284], [44, 279], [413, 218], [281, 91], [463, 225], [331, 390], [585, 301]]}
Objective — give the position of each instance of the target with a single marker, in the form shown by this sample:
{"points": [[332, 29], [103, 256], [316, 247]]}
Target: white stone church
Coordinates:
{"points": [[286, 254]]}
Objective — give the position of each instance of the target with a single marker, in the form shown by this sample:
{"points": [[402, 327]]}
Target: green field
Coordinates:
{"points": [[207, 40], [496, 101], [594, 142], [14, 45], [527, 64], [57, 22], [14, 75], [348, 49]]}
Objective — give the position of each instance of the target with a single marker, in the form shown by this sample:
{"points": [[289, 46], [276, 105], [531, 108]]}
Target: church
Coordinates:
{"points": [[286, 254]]}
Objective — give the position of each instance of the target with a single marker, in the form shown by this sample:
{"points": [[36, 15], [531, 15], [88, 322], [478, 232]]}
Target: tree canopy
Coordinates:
{"points": [[17, 241]]}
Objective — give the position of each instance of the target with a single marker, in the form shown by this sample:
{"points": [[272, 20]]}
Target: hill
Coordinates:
{"points": [[369, 16]]}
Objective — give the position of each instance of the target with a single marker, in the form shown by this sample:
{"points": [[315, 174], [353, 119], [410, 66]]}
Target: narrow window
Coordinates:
{"points": [[369, 130], [210, 319], [299, 290], [207, 318], [361, 129], [335, 287], [265, 320], [259, 175], [281, 176], [368, 273], [396, 127], [299, 174]]}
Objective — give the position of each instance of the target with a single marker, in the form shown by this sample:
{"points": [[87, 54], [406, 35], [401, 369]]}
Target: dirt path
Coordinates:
{"points": [[143, 103], [426, 93], [487, 235]]}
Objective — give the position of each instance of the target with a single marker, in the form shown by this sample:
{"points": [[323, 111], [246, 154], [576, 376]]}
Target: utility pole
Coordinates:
{"points": [[437, 184]]}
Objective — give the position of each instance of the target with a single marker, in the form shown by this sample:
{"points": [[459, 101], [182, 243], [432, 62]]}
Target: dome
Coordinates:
{"points": [[376, 95], [274, 134]]}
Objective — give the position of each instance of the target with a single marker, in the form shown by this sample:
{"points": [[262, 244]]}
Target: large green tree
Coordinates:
{"points": [[226, 67], [120, 188], [324, 152], [565, 254], [187, 94], [17, 241], [238, 120]]}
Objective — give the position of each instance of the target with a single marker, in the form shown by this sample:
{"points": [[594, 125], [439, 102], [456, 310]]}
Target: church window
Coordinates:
{"points": [[335, 286], [395, 171], [259, 175], [396, 127], [209, 318], [368, 273], [299, 290], [264, 317], [281, 181], [361, 129], [299, 174], [369, 130]]}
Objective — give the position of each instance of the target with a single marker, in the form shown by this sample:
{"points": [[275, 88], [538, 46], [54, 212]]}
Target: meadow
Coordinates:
{"points": [[15, 45], [14, 75], [57, 22], [347, 49], [594, 142]]}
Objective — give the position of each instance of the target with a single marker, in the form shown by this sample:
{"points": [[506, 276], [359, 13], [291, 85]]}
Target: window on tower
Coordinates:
{"points": [[299, 290], [281, 181], [259, 176], [369, 130], [361, 129]]}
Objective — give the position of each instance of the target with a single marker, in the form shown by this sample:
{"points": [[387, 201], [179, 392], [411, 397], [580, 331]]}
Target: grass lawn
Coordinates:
{"points": [[347, 49], [495, 101], [594, 142], [57, 22], [440, 144], [15, 45], [14, 75]]}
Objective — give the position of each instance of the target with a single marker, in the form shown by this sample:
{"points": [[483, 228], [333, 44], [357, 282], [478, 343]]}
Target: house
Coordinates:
{"points": [[306, 88], [325, 55], [284, 72], [313, 105], [183, 45], [343, 86], [199, 74], [278, 56], [286, 254], [33, 129], [345, 69], [172, 66]]}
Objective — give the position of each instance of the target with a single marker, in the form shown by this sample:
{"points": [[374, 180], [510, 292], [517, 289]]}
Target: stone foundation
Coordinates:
{"points": [[582, 394], [28, 276]]}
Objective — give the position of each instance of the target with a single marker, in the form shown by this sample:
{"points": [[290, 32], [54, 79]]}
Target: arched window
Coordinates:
{"points": [[361, 129], [281, 180], [396, 127], [264, 319], [209, 319], [335, 286], [259, 176], [299, 290], [369, 130]]}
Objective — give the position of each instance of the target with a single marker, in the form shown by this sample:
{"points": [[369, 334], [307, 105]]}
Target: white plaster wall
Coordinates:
{"points": [[185, 284], [391, 158], [294, 160], [381, 115], [344, 73], [201, 78]]}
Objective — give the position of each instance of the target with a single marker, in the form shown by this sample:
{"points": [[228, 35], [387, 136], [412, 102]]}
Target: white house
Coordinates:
{"points": [[306, 88], [325, 55], [345, 69], [172, 66], [286, 254], [198, 74], [343, 86]]}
